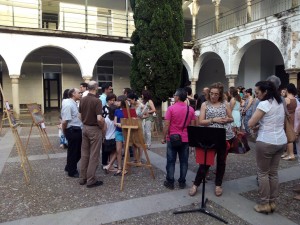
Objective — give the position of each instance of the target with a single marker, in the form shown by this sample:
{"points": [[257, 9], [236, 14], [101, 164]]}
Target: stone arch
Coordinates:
{"points": [[117, 64], [188, 68], [5, 82], [211, 69], [241, 52], [253, 62], [53, 69], [53, 46]]}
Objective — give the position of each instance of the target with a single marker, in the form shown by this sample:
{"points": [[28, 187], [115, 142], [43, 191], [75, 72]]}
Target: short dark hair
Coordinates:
{"points": [[105, 86], [188, 90], [249, 90], [84, 84], [181, 93], [111, 96], [127, 91], [132, 96]]}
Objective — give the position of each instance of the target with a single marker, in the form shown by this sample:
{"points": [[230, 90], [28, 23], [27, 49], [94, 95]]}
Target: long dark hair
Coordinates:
{"points": [[146, 96], [269, 88], [111, 112], [234, 93]]}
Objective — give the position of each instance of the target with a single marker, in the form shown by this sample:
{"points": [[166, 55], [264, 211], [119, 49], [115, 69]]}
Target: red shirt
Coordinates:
{"points": [[176, 115]]}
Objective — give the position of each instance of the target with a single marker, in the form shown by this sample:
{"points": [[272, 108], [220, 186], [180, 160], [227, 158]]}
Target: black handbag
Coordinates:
{"points": [[109, 145], [175, 139]]}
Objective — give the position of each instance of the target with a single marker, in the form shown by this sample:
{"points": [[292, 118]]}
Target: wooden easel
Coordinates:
{"points": [[133, 135], [38, 121], [25, 165], [3, 119]]}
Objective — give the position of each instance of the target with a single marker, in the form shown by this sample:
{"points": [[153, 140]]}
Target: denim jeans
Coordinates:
{"points": [[183, 153]]}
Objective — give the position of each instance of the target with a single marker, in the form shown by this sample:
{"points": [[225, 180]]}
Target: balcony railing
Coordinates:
{"points": [[67, 17], [238, 16]]}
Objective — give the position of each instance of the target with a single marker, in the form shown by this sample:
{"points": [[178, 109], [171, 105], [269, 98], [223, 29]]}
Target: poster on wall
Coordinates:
{"points": [[36, 113]]}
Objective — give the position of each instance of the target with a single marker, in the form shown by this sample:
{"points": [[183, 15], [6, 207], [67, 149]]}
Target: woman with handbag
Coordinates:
{"points": [[270, 142], [215, 112], [177, 118], [291, 105]]}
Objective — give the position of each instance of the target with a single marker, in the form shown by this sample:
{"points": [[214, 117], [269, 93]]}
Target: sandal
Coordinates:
{"points": [[106, 169], [193, 190], [218, 191], [119, 172]]}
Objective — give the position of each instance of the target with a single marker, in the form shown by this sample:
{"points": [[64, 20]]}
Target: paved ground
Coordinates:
{"points": [[54, 198]]}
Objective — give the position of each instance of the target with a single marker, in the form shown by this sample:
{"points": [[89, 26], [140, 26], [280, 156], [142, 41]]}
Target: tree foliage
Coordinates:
{"points": [[157, 49]]}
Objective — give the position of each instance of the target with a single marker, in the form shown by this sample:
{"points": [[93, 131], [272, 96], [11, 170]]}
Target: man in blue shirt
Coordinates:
{"points": [[106, 89]]}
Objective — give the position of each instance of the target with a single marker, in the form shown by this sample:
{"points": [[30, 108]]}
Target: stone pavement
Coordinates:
{"points": [[143, 201]]}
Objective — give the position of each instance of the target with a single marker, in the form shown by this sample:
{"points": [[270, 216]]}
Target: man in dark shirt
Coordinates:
{"points": [[90, 110]]}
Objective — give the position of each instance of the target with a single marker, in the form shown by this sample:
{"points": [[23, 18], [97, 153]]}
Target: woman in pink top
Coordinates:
{"points": [[177, 118]]}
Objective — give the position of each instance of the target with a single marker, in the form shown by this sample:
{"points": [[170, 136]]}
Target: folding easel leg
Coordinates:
{"points": [[28, 137], [125, 157], [47, 140], [20, 153], [43, 142], [23, 151], [148, 162]]}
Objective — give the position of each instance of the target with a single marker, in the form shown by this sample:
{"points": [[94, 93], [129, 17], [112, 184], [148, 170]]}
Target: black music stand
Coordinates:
{"points": [[205, 138]]}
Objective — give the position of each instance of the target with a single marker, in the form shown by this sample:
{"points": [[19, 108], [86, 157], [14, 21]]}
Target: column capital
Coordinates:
{"points": [[194, 7], [231, 76], [14, 76], [216, 2], [292, 70], [87, 78]]}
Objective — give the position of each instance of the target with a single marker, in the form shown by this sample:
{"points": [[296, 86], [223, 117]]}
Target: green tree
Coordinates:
{"points": [[158, 44]]}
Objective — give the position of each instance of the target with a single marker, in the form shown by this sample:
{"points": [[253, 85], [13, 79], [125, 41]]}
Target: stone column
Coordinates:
{"points": [[193, 86], [217, 13], [194, 8], [87, 78], [293, 75], [249, 10], [231, 79], [15, 95]]}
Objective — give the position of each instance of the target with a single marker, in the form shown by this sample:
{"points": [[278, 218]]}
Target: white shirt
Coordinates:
{"points": [[85, 93], [271, 126], [111, 129]]}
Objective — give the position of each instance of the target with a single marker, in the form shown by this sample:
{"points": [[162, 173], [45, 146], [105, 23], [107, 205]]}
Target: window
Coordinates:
{"points": [[105, 72]]}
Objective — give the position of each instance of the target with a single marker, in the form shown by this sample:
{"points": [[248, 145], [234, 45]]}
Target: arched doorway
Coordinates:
{"points": [[114, 68], [212, 70], [48, 71], [261, 59], [5, 82], [185, 81]]}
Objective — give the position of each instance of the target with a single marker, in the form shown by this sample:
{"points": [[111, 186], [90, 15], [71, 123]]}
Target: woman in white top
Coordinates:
{"points": [[268, 118]]}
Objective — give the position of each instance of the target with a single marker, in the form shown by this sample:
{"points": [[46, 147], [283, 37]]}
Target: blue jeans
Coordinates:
{"points": [[183, 153]]}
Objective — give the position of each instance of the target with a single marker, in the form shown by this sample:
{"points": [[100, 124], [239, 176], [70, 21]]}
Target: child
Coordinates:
{"points": [[63, 143], [110, 134]]}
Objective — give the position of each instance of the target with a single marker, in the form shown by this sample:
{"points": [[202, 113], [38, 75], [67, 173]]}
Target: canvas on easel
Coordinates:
{"points": [[9, 116], [39, 122], [133, 136]]}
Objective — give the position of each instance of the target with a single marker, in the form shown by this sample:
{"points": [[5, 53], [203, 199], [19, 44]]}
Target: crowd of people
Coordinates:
{"points": [[91, 123], [261, 116]]}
